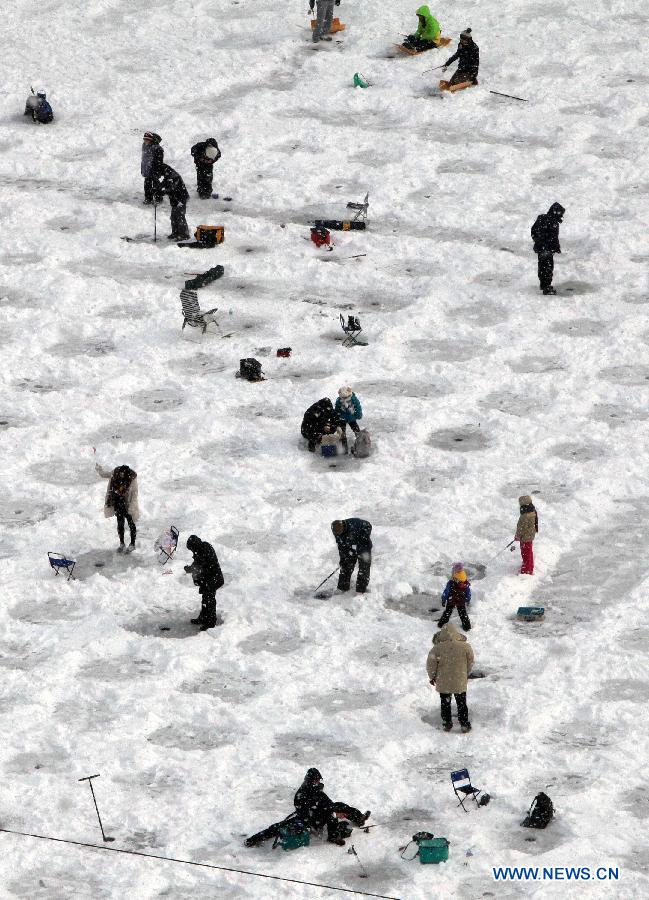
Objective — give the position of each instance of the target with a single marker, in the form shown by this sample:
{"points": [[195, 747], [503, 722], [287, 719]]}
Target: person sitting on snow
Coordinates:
{"points": [[38, 108], [314, 810], [456, 595], [428, 32], [468, 57]]}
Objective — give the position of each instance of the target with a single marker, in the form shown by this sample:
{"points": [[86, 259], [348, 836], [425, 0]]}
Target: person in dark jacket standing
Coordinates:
{"points": [[353, 537], [207, 576], [314, 809], [205, 154], [174, 187], [456, 595], [545, 234], [151, 166], [468, 57]]}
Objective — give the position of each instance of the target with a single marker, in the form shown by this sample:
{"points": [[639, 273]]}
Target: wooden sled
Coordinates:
{"points": [[452, 88], [336, 26], [443, 42]]}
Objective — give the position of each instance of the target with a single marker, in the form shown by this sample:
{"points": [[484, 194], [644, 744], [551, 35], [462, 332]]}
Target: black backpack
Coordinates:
{"points": [[541, 812], [250, 369]]}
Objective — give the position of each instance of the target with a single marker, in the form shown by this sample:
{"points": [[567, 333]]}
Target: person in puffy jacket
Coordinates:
{"points": [[428, 32], [39, 109], [353, 537], [349, 411], [448, 666], [121, 501], [174, 187], [526, 530], [151, 166], [545, 234], [205, 154], [468, 60], [319, 417], [456, 595], [208, 578]]}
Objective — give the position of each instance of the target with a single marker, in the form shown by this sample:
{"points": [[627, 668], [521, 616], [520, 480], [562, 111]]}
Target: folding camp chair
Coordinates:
{"points": [[192, 314], [352, 329], [167, 544], [58, 561], [466, 790], [361, 208]]}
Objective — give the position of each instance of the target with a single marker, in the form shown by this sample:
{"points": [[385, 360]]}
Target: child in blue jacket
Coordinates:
{"points": [[457, 594], [349, 411]]}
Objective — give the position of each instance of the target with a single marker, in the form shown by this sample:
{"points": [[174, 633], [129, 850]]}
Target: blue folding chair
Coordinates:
{"points": [[466, 790], [58, 561]]}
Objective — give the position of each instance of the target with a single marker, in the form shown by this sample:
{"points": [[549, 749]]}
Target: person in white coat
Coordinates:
{"points": [[121, 501]]}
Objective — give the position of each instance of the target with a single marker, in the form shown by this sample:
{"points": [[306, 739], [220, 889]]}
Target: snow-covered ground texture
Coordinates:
{"points": [[475, 388]]}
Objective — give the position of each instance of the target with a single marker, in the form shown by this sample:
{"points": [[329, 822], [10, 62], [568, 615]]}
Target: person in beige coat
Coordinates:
{"points": [[121, 501], [526, 530], [448, 666]]}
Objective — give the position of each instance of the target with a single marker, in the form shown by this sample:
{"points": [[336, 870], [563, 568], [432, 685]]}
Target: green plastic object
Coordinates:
{"points": [[434, 850], [530, 613], [290, 838], [359, 81]]}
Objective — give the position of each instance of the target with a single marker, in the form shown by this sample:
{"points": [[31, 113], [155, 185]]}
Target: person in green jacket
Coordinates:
{"points": [[428, 32]]}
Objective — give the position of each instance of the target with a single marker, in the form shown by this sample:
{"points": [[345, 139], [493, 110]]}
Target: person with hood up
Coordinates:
{"points": [[205, 154], [448, 666], [428, 32], [353, 537], [208, 578], [545, 234], [318, 417], [151, 166], [314, 810], [468, 60], [349, 411], [121, 501], [456, 595], [324, 18], [174, 187], [38, 108], [526, 530]]}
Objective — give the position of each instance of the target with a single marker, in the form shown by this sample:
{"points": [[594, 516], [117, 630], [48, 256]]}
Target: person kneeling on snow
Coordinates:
{"points": [[349, 411], [428, 32], [38, 108], [468, 57], [448, 666], [457, 594], [315, 810]]}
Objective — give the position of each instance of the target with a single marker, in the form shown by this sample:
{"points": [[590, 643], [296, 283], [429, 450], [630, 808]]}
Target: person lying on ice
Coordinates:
{"points": [[428, 32], [315, 810], [457, 594], [468, 57]]}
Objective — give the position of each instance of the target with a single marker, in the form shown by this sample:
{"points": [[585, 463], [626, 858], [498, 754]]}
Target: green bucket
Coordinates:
{"points": [[434, 850], [290, 837], [359, 81]]}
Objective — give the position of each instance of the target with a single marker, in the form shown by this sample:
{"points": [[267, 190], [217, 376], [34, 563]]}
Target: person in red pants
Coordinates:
{"points": [[526, 530]]}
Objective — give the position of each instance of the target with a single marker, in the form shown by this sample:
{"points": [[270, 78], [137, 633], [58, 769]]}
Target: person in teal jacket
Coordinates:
{"points": [[428, 32], [349, 411]]}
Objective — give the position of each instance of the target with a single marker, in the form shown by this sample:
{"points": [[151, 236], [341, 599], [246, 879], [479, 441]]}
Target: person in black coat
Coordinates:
{"points": [[545, 234], [174, 187], [205, 154], [468, 57], [151, 166], [315, 810], [317, 418], [207, 576], [353, 537]]}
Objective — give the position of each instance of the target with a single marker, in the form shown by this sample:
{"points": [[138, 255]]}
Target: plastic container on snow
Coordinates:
{"points": [[434, 850], [530, 613], [290, 838]]}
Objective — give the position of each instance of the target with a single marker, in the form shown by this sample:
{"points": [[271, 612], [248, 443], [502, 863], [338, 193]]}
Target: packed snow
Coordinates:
{"points": [[475, 389]]}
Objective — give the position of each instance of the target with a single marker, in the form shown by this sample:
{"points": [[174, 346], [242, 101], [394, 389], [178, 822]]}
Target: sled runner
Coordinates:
{"points": [[452, 88], [336, 26], [443, 42]]}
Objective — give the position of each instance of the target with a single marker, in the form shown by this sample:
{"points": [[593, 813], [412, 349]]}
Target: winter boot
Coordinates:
{"points": [[465, 728], [447, 726], [197, 621], [549, 290], [130, 548], [121, 548]]}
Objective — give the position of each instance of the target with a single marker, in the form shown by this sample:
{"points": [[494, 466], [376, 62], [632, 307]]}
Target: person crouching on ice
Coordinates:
{"points": [[468, 60], [428, 32]]}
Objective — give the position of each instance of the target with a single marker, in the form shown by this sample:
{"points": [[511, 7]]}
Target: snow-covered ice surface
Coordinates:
{"points": [[475, 389]]}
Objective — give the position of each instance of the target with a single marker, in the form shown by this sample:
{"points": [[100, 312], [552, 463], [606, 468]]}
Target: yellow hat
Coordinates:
{"points": [[460, 576]]}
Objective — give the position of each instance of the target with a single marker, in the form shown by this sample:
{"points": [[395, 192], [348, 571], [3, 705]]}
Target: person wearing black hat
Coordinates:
{"points": [[315, 810], [545, 234], [468, 57], [174, 187], [205, 154], [354, 545], [207, 576], [151, 166]]}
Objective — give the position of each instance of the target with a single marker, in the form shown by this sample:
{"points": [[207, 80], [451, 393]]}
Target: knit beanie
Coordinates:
{"points": [[345, 393], [466, 34]]}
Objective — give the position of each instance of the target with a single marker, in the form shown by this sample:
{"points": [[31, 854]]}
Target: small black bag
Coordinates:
{"points": [[541, 812], [250, 369]]}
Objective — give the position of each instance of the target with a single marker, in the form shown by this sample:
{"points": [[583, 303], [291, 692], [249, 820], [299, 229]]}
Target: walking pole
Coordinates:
{"points": [[89, 778], [155, 221], [326, 579]]}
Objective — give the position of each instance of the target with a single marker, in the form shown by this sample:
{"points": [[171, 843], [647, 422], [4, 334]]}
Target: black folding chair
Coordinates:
{"points": [[361, 208], [352, 328], [58, 561], [465, 790]]}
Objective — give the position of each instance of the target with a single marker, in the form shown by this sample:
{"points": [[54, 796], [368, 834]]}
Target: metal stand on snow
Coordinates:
{"points": [[361, 208], [352, 329], [89, 778]]}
